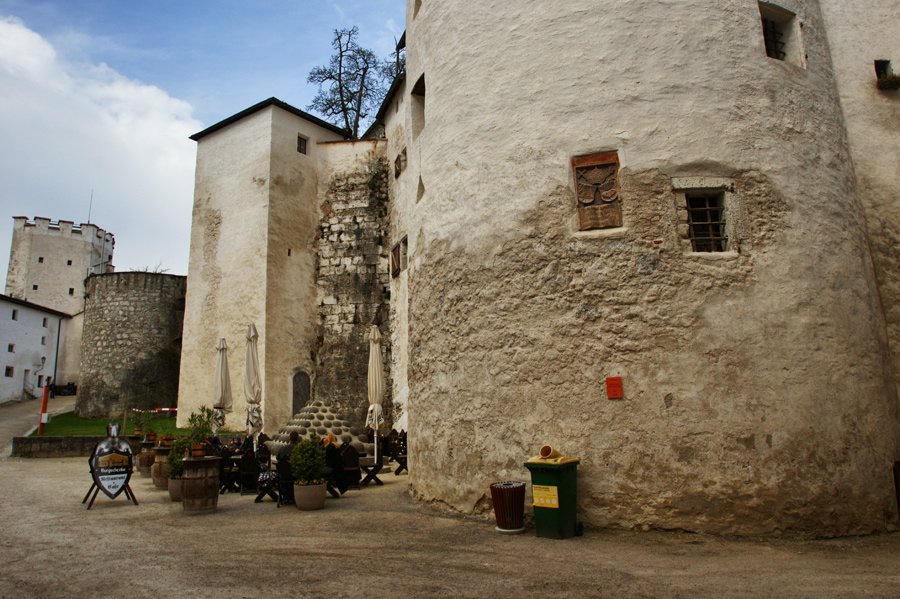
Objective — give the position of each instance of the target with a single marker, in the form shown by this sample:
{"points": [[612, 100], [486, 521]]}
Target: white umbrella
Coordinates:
{"points": [[375, 417], [252, 386], [222, 401]]}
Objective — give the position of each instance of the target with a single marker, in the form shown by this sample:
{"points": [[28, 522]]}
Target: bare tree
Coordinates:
{"points": [[352, 84]]}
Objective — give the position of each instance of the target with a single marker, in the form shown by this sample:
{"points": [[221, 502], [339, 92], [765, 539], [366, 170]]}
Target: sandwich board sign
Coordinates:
{"points": [[111, 464]]}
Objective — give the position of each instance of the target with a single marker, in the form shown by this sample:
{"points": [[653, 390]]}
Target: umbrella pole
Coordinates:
{"points": [[376, 445]]}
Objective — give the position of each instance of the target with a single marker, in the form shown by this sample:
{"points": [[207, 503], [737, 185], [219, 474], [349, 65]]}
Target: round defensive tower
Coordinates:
{"points": [[635, 189], [131, 344]]}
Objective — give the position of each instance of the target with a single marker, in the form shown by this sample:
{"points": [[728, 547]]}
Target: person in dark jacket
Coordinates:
{"points": [[334, 467], [285, 476]]}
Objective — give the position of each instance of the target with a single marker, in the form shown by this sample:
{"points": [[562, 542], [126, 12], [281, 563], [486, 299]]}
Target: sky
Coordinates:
{"points": [[98, 99]]}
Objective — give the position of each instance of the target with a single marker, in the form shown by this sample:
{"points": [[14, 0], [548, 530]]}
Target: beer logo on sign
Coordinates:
{"points": [[111, 466]]}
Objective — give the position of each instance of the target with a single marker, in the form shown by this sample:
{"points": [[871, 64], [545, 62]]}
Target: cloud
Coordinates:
{"points": [[72, 127]]}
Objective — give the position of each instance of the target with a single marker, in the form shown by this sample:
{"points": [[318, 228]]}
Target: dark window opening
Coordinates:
{"points": [[40, 259], [301, 144], [71, 291], [706, 222], [9, 372], [44, 322], [43, 341], [11, 348], [289, 251], [774, 39], [68, 263], [15, 314], [34, 287]]}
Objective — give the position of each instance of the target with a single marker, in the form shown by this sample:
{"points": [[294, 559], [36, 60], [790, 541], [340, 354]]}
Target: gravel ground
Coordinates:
{"points": [[378, 542]]}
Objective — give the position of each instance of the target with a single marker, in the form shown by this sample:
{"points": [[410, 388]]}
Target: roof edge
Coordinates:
{"points": [[273, 101], [28, 304]]}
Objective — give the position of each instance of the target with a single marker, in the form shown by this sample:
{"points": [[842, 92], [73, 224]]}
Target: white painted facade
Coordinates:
{"points": [[30, 339]]}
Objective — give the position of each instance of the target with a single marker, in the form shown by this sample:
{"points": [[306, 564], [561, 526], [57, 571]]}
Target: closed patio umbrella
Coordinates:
{"points": [[222, 401], [252, 386], [375, 416]]}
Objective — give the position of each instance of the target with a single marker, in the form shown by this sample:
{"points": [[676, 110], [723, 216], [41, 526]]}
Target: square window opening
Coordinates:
{"points": [[71, 291], [40, 259], [68, 263], [781, 34], [34, 287], [706, 221], [11, 348], [9, 371]]}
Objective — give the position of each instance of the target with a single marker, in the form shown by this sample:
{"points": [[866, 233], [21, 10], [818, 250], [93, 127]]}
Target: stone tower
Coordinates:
{"points": [[661, 193], [49, 261], [286, 234]]}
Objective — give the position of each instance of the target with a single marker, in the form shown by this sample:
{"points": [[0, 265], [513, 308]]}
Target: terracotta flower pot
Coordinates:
{"points": [[309, 497]]}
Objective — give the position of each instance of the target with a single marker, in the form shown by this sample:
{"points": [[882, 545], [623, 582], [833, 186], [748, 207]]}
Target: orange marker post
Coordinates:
{"points": [[43, 419]]}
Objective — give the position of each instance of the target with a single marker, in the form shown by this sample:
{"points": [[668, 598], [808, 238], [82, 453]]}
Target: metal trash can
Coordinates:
{"points": [[553, 485], [508, 498]]}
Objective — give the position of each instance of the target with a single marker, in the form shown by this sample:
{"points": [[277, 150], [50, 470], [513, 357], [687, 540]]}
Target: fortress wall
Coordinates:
{"points": [[352, 275], [756, 394]]}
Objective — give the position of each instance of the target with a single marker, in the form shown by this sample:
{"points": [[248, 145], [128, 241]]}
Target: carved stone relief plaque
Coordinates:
{"points": [[597, 191]]}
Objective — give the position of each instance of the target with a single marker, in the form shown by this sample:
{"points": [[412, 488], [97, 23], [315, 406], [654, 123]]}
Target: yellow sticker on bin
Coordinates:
{"points": [[545, 496]]}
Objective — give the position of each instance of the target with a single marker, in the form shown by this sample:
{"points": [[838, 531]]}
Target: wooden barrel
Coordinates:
{"points": [[158, 471], [200, 484], [146, 458]]}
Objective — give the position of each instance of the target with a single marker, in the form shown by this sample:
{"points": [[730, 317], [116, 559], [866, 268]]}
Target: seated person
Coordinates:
{"points": [[334, 467], [285, 476]]}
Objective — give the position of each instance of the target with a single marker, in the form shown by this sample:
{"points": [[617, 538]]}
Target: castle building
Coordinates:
{"points": [[48, 264], [695, 200]]}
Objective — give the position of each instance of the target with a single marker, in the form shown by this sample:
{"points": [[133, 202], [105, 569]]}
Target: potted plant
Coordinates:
{"points": [[144, 425], [200, 427], [175, 466], [307, 466]]}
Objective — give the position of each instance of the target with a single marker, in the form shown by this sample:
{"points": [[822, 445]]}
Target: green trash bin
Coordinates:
{"points": [[553, 484]]}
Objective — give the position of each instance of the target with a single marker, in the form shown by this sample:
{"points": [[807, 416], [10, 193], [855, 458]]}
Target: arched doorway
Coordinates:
{"points": [[300, 391]]}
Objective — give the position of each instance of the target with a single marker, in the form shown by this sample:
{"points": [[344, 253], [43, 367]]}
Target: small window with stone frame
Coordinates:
{"points": [[11, 348], [71, 291], [34, 287], [302, 144], [710, 215], [40, 259], [68, 263], [15, 314], [9, 372]]}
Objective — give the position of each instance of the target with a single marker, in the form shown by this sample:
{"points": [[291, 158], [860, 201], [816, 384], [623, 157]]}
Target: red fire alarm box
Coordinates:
{"points": [[614, 387]]}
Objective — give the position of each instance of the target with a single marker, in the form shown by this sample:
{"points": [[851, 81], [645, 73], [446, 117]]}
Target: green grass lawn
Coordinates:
{"points": [[70, 425]]}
